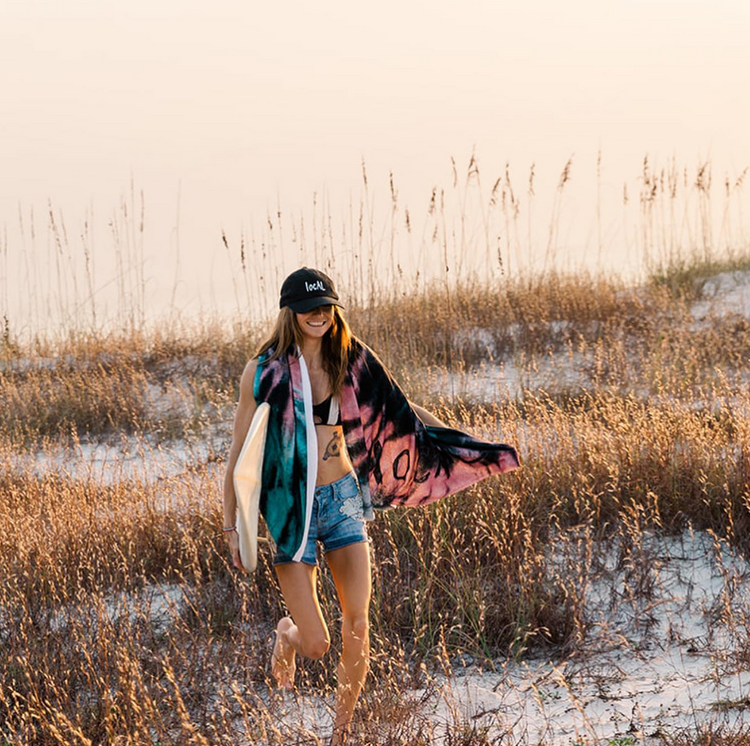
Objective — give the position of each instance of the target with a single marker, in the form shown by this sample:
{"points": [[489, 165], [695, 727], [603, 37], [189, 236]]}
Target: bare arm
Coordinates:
{"points": [[426, 417], [242, 419]]}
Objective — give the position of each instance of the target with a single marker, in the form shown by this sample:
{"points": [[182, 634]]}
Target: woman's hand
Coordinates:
{"points": [[233, 541], [427, 417]]}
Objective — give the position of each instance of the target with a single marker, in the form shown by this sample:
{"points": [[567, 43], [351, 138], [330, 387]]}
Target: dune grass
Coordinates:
{"points": [[657, 439], [122, 622]]}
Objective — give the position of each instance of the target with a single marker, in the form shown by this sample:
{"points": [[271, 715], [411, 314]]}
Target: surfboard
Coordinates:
{"points": [[248, 473]]}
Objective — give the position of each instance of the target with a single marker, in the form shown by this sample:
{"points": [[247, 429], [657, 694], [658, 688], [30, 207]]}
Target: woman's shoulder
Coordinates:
{"points": [[268, 355], [357, 348], [250, 367], [247, 382], [360, 350]]}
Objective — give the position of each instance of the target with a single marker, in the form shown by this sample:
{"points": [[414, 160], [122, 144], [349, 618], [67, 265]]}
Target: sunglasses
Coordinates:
{"points": [[323, 309]]}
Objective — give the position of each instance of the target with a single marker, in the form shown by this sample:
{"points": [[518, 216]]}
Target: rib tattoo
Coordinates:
{"points": [[333, 449]]}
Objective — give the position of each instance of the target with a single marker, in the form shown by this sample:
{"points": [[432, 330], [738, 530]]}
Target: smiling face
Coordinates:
{"points": [[317, 322]]}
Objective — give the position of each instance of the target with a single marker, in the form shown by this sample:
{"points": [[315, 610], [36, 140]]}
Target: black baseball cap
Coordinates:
{"points": [[306, 289]]}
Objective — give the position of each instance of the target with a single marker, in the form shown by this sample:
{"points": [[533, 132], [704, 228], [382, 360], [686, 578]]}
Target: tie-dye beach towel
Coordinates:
{"points": [[398, 460]]}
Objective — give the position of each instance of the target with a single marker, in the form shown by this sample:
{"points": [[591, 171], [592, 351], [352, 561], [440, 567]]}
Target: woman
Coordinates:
{"points": [[341, 437]]}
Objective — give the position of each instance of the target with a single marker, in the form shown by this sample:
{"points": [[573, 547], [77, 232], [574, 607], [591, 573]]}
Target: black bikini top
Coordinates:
{"points": [[327, 412]]}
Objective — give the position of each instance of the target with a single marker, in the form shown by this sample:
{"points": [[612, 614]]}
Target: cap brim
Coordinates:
{"points": [[304, 306]]}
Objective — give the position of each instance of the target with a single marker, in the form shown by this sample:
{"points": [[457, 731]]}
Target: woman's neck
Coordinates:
{"points": [[312, 351]]}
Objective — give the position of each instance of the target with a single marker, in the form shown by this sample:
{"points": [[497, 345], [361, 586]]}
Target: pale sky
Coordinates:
{"points": [[230, 104]]}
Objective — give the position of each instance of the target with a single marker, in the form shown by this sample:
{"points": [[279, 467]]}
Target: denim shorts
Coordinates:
{"points": [[337, 519]]}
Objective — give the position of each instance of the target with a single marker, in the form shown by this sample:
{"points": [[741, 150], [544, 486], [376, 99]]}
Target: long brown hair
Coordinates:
{"points": [[335, 347]]}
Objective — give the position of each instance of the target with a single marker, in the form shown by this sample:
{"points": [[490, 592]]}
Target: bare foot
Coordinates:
{"points": [[282, 658], [340, 735]]}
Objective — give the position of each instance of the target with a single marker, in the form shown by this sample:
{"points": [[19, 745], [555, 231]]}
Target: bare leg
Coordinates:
{"points": [[350, 567], [305, 631]]}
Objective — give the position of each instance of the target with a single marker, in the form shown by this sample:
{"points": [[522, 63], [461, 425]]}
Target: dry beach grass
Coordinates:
{"points": [[122, 622], [122, 618]]}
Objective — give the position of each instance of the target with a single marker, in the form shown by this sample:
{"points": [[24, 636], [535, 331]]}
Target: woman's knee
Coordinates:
{"points": [[356, 628], [315, 647]]}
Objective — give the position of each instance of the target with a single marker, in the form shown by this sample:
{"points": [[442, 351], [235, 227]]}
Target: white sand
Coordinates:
{"points": [[630, 680]]}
